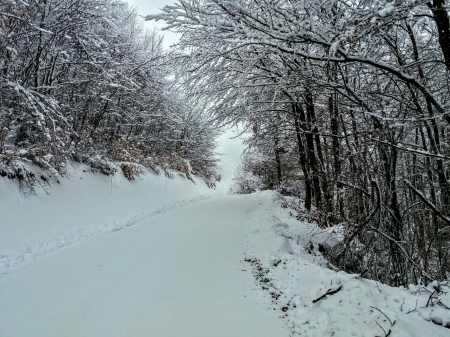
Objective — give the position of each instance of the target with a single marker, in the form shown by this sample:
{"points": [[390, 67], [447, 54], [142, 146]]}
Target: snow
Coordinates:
{"points": [[334, 47], [85, 205], [166, 257], [88, 204], [388, 8], [230, 148], [177, 274], [294, 274]]}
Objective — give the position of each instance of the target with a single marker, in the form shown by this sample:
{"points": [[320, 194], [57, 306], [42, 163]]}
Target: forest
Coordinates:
{"points": [[84, 81], [347, 104]]}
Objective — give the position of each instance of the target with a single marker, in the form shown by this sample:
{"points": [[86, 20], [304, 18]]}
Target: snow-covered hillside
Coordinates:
{"points": [[87, 204]]}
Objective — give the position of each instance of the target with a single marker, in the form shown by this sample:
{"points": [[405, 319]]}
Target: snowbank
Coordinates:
{"points": [[85, 205], [317, 301]]}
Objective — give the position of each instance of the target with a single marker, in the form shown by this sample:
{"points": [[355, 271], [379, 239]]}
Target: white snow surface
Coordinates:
{"points": [[82, 206], [157, 257], [175, 274], [294, 275]]}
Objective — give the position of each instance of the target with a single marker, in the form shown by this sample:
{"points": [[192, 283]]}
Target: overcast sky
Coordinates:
{"points": [[146, 7]]}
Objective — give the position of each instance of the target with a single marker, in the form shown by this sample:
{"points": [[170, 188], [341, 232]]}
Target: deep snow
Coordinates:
{"points": [[84, 204]]}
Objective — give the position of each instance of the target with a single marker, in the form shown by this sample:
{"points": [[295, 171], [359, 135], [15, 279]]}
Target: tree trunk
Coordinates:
{"points": [[441, 19], [311, 156], [311, 115], [302, 156]]}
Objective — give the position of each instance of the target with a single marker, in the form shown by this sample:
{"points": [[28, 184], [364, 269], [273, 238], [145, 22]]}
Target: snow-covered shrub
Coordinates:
{"points": [[291, 187], [244, 180]]}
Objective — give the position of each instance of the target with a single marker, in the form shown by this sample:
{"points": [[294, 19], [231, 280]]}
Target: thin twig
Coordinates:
{"points": [[384, 315]]}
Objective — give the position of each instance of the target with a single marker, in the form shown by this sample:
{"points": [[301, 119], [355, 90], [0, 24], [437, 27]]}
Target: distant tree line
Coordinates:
{"points": [[82, 80], [349, 99]]}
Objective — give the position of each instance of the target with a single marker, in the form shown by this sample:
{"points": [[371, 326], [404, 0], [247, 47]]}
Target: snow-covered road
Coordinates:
{"points": [[160, 258], [176, 274]]}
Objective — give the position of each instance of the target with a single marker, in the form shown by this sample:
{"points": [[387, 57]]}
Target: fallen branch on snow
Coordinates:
{"points": [[329, 292]]}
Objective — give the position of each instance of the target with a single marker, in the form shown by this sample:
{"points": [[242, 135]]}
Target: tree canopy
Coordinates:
{"points": [[350, 98]]}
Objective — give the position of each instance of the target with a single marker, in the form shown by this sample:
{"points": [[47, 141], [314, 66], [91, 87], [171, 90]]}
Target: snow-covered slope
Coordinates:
{"points": [[88, 204], [85, 205], [315, 301]]}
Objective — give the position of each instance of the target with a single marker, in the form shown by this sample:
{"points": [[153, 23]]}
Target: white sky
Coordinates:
{"points": [[147, 7]]}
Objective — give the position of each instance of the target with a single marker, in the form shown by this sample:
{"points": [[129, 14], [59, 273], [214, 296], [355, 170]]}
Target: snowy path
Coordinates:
{"points": [[177, 274]]}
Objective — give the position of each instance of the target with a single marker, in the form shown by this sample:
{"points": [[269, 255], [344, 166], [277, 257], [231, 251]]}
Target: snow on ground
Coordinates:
{"points": [[102, 256], [82, 206], [176, 274], [89, 204], [293, 274]]}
